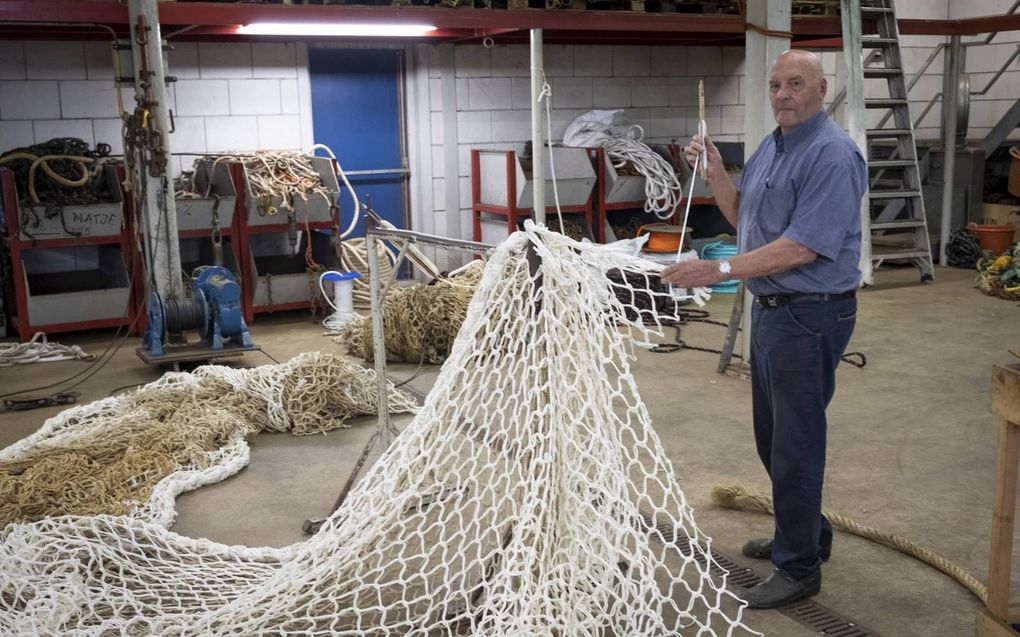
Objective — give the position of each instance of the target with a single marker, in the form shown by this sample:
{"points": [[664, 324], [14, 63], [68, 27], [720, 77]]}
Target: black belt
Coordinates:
{"points": [[779, 300]]}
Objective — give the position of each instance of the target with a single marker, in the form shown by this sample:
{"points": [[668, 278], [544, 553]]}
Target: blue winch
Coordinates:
{"points": [[214, 309]]}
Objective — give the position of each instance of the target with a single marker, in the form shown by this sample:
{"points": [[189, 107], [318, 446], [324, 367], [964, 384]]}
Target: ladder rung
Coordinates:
{"points": [[881, 72], [891, 163], [874, 43], [898, 225], [893, 194], [887, 132], [876, 10], [883, 102], [908, 253]]}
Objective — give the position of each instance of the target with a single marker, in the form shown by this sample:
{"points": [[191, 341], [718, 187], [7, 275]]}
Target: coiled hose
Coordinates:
{"points": [[720, 250]]}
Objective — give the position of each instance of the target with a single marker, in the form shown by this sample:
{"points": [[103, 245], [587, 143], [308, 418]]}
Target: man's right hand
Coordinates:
{"points": [[715, 163]]}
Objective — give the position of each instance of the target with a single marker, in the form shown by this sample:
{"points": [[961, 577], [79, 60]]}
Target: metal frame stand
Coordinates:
{"points": [[385, 431]]}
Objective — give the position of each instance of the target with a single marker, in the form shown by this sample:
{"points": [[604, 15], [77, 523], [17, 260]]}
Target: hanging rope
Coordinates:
{"points": [[739, 498]]}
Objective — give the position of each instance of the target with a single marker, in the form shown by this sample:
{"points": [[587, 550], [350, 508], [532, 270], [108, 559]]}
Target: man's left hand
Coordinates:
{"points": [[694, 273]]}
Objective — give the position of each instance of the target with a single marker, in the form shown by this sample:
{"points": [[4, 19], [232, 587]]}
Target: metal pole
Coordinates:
{"points": [[150, 86], [950, 85], [378, 338], [537, 137], [856, 123]]}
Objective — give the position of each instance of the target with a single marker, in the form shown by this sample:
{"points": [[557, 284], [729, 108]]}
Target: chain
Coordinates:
{"points": [[269, 290]]}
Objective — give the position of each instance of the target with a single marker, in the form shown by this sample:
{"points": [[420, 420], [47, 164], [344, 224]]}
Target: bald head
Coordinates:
{"points": [[797, 88]]}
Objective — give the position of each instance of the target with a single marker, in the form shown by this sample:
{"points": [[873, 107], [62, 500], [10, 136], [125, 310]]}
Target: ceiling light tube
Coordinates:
{"points": [[336, 29]]}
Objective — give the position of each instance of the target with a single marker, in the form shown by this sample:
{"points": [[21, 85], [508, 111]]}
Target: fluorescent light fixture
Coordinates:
{"points": [[336, 29]]}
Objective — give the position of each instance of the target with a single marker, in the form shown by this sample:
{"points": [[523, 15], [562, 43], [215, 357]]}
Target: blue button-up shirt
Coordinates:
{"points": [[806, 186]]}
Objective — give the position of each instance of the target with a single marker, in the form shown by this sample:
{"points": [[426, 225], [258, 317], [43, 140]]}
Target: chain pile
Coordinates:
{"points": [[108, 457], [963, 250], [72, 171], [420, 322]]}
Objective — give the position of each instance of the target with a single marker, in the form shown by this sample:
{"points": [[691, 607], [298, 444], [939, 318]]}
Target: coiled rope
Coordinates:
{"points": [[39, 350], [739, 498], [73, 168], [662, 187]]}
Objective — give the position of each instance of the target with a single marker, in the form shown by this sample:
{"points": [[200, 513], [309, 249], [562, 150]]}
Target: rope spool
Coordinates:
{"points": [[1014, 171], [184, 315], [665, 237]]}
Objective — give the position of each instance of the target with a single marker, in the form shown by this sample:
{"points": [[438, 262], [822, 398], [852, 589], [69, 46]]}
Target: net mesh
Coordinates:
{"points": [[529, 496]]}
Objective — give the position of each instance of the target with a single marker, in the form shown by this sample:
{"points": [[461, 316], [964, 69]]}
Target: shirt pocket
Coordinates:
{"points": [[776, 211]]}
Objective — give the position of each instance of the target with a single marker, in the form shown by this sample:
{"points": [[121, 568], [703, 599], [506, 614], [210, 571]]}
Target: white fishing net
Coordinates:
{"points": [[529, 496]]}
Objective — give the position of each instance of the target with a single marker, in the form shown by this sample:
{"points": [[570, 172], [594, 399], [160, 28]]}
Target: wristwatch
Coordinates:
{"points": [[725, 269]]}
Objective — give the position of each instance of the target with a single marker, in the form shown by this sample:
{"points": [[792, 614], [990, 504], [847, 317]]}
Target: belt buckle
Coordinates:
{"points": [[769, 301]]}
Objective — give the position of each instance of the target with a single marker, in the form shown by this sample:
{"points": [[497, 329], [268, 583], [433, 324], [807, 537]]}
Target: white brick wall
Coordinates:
{"points": [[229, 97], [657, 86]]}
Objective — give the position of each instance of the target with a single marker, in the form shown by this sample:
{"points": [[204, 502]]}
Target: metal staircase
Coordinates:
{"points": [[902, 231]]}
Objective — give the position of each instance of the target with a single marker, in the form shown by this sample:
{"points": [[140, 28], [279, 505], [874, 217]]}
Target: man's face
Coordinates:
{"points": [[796, 90]]}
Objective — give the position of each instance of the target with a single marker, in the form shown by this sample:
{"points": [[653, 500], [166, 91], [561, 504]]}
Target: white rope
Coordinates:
{"points": [[546, 95], [530, 495], [662, 187], [39, 350]]}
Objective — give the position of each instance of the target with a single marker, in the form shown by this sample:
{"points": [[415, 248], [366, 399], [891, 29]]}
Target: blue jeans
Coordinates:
{"points": [[794, 353]]}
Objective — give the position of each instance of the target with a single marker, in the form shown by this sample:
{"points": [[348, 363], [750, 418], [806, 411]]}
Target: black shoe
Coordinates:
{"points": [[761, 549], [779, 589]]}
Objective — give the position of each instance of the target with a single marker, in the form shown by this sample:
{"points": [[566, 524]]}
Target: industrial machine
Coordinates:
{"points": [[214, 310]]}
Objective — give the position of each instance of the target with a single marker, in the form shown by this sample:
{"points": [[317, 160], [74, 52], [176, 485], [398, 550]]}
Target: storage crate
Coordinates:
{"points": [[75, 221], [315, 210], [198, 213]]}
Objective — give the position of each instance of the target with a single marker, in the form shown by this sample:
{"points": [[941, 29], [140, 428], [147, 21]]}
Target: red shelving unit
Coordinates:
{"points": [[50, 290], [273, 276], [504, 199]]}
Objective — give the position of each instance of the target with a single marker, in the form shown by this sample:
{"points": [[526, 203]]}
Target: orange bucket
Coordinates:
{"points": [[994, 238], [664, 237]]}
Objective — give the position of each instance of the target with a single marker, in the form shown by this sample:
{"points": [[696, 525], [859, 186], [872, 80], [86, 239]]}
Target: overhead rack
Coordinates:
{"points": [[215, 21]]}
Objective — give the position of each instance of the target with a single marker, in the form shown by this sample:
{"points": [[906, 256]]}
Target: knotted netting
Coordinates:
{"points": [[530, 495]]}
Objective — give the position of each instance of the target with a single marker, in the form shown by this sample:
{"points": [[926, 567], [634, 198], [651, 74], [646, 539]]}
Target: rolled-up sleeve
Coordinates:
{"points": [[828, 205]]}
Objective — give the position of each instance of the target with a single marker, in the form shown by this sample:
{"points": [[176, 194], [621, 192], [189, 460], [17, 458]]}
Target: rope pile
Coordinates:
{"points": [[420, 322], [39, 350], [1000, 276], [73, 171], [108, 457], [622, 142], [354, 258], [571, 228], [739, 498], [285, 175]]}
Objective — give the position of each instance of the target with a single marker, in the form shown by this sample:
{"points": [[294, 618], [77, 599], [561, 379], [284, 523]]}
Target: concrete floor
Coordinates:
{"points": [[911, 451]]}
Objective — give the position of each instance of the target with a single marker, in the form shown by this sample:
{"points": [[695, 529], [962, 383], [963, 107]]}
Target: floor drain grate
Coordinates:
{"points": [[809, 613]]}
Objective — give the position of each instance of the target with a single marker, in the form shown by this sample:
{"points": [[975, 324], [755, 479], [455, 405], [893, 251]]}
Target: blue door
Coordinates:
{"points": [[357, 111]]}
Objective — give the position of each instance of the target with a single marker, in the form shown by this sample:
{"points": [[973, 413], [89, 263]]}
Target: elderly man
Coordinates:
{"points": [[797, 215]]}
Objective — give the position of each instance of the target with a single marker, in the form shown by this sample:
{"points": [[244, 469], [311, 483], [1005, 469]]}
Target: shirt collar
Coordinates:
{"points": [[790, 140]]}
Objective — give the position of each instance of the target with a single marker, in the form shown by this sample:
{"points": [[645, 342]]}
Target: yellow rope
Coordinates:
{"points": [[42, 162], [739, 498]]}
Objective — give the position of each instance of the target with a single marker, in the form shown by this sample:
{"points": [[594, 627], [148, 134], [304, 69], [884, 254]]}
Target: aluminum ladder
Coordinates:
{"points": [[899, 229]]}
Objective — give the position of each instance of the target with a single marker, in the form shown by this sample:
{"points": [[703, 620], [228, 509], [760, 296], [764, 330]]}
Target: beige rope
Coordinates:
{"points": [[42, 162], [420, 322], [181, 421], [739, 498]]}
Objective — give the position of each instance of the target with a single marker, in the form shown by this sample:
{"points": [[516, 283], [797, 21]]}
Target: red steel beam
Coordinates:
{"points": [[572, 25]]}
